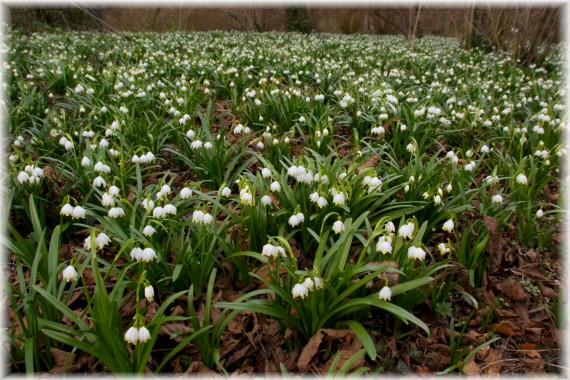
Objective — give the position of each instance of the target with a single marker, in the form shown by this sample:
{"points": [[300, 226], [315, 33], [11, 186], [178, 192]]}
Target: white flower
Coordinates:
{"points": [[260, 145], [114, 190], [448, 226], [132, 335], [116, 212], [319, 283], [169, 209], [226, 192], [208, 218], [293, 171], [484, 149], [373, 184], [407, 230], [275, 187], [294, 221], [23, 177], [85, 162], [443, 248], [66, 210], [190, 134], [300, 290], [87, 243], [143, 158], [101, 167], [208, 145], [266, 200], [136, 159], [521, 178], [185, 193], [147, 204], [270, 250], [300, 217], [246, 198], [136, 253], [339, 199], [103, 143], [158, 212], [78, 212], [148, 254], [437, 199], [99, 182], [497, 198], [411, 148], [385, 293], [198, 216], [416, 253], [338, 227], [149, 292], [107, 200], [314, 197], [148, 231], [238, 129], [165, 189], [33, 179], [102, 240], [308, 283], [389, 227], [322, 202], [196, 144], [150, 157], [384, 244], [266, 173], [539, 213], [69, 273]]}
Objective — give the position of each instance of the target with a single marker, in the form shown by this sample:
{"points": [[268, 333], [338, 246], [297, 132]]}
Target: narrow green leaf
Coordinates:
{"points": [[364, 337]]}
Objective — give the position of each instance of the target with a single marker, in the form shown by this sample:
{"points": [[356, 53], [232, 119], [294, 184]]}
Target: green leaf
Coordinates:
{"points": [[350, 362], [409, 285], [29, 350], [257, 306], [176, 271], [364, 337], [180, 346], [61, 307]]}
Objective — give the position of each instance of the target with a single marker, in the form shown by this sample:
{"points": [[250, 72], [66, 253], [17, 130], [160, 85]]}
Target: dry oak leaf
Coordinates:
{"points": [[63, 361], [171, 328], [514, 290], [201, 369], [472, 369], [495, 243], [344, 336]]}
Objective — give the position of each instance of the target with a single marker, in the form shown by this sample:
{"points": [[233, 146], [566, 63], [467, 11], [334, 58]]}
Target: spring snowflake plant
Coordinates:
{"points": [[334, 292]]}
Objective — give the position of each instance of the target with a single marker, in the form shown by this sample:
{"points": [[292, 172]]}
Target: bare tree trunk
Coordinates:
{"points": [[415, 28], [470, 27]]}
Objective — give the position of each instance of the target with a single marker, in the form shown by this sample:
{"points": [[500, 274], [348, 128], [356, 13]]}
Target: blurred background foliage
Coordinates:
{"points": [[528, 32]]}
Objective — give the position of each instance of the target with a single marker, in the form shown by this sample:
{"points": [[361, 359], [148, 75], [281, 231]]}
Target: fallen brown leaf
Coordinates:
{"points": [[513, 290], [312, 347], [200, 368], [63, 361], [372, 162], [472, 369], [495, 243], [170, 328], [503, 329]]}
